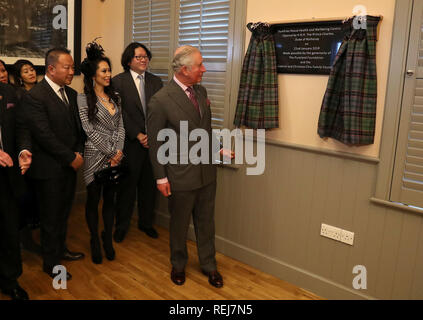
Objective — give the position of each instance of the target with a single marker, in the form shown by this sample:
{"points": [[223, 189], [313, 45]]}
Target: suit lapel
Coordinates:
{"points": [[58, 103], [54, 98], [148, 87], [202, 102], [179, 96], [74, 108]]}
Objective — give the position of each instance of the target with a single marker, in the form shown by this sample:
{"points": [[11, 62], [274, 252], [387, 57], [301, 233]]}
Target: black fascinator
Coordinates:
{"points": [[94, 52]]}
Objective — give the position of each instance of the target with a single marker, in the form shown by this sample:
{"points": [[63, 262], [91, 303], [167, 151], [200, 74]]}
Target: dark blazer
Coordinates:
{"points": [[13, 135], [167, 109], [132, 111], [56, 132]]}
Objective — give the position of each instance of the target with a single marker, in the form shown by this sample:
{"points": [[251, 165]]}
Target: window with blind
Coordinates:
{"points": [[407, 182], [164, 25], [151, 25]]}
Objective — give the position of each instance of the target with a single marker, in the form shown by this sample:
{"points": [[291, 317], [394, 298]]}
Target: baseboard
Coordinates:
{"points": [[314, 283]]}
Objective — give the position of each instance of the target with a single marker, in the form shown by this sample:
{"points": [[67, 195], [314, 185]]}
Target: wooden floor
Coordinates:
{"points": [[141, 271]]}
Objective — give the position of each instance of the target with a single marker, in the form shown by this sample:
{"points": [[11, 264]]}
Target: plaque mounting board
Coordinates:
{"points": [[307, 47]]}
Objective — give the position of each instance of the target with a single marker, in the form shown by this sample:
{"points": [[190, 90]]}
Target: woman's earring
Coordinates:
{"points": [[93, 83]]}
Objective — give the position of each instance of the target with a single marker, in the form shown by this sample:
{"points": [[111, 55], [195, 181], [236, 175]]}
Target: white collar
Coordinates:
{"points": [[135, 74], [179, 83], [52, 84]]}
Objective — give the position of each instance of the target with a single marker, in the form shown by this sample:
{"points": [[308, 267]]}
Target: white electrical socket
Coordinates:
{"points": [[330, 232], [347, 237], [337, 234]]}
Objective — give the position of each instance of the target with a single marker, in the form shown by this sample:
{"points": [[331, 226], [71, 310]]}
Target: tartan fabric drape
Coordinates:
{"points": [[348, 111], [257, 105]]}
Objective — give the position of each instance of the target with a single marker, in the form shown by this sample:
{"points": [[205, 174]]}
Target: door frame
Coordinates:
{"points": [[394, 97]]}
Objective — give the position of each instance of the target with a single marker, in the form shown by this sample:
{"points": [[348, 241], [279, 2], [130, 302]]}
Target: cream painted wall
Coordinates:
{"points": [[105, 20], [300, 96]]}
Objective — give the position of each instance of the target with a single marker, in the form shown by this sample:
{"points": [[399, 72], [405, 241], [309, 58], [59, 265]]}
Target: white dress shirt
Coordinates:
{"points": [[56, 88]]}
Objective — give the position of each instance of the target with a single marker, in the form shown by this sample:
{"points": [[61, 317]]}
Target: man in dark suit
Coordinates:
{"points": [[11, 184], [136, 86], [191, 188], [57, 140]]}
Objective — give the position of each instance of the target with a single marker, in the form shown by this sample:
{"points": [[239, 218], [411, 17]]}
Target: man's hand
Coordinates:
{"points": [[143, 139], [5, 159], [164, 188], [25, 160], [77, 162]]}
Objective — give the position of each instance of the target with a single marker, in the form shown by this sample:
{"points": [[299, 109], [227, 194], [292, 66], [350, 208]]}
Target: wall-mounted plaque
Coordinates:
{"points": [[307, 47]]}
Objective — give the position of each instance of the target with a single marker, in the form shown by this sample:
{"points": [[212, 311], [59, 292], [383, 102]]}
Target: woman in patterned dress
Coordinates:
{"points": [[101, 117]]}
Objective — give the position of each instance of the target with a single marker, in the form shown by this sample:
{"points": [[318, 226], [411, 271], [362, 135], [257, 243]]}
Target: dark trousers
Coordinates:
{"points": [[138, 185], [28, 205], [55, 197], [10, 253], [94, 192], [200, 205]]}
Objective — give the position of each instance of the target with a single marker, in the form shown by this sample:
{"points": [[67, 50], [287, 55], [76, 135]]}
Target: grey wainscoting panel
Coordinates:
{"points": [[273, 221], [417, 285], [389, 252], [407, 254]]}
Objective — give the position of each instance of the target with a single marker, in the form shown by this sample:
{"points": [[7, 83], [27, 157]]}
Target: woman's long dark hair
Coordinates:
{"points": [[95, 55]]}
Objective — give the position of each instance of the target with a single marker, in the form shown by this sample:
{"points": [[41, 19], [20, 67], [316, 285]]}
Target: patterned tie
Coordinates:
{"points": [[62, 93], [142, 95], [194, 100]]}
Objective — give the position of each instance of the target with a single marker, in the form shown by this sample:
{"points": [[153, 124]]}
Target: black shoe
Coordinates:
{"points": [[52, 275], [96, 255], [72, 256], [108, 246], [151, 232], [215, 278], [119, 235], [17, 293], [178, 277]]}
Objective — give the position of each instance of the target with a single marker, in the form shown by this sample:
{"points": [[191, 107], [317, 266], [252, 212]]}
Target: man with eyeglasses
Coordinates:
{"points": [[136, 86]]}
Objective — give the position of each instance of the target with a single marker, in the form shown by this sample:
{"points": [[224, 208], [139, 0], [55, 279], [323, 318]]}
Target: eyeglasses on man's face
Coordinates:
{"points": [[139, 58]]}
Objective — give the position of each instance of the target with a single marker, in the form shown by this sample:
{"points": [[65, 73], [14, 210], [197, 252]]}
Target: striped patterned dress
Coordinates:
{"points": [[105, 135]]}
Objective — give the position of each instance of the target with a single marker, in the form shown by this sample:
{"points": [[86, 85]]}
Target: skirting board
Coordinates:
{"points": [[316, 284]]}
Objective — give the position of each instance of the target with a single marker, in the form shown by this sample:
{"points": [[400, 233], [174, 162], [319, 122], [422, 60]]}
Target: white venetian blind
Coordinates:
{"points": [[205, 24], [152, 27], [407, 185]]}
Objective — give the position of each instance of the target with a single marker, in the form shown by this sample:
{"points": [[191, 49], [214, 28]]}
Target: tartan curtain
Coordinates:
{"points": [[258, 103], [348, 111]]}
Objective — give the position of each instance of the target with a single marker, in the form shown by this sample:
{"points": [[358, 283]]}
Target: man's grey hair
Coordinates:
{"points": [[183, 57]]}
